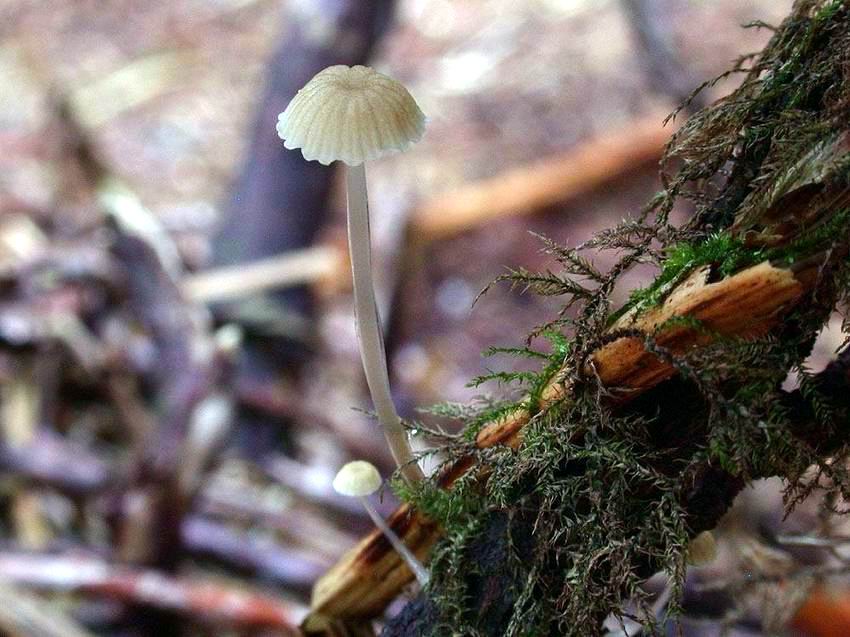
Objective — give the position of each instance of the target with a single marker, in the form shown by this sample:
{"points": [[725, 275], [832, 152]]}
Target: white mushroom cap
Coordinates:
{"points": [[357, 478], [352, 114]]}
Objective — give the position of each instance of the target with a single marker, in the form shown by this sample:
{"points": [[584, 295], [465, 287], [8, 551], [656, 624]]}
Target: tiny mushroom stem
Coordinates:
{"points": [[354, 114], [369, 324], [360, 479]]}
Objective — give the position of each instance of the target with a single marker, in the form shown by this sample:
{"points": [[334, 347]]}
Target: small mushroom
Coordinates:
{"points": [[702, 549], [360, 479], [354, 114]]}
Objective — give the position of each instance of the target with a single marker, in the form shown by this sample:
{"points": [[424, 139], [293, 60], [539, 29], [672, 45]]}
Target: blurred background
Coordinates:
{"points": [[179, 375]]}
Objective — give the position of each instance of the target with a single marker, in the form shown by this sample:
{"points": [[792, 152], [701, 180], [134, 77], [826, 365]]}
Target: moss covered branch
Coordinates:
{"points": [[646, 420]]}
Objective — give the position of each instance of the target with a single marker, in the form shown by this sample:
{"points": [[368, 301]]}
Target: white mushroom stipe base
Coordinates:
{"points": [[354, 114], [361, 479]]}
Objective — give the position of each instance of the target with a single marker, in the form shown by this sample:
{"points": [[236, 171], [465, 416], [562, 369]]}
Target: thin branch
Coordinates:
{"points": [[203, 600]]}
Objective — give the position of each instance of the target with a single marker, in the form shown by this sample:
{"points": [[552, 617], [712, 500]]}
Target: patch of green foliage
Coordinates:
{"points": [[606, 491], [532, 382]]}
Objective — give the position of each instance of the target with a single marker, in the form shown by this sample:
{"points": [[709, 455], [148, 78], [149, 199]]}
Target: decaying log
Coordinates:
{"points": [[708, 496], [369, 576], [529, 189], [744, 305]]}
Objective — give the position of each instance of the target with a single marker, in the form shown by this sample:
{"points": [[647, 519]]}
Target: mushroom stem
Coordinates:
{"points": [[369, 327], [415, 565]]}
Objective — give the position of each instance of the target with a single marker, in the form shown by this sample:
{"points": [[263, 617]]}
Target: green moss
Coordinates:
{"points": [[450, 508], [725, 252], [728, 255]]}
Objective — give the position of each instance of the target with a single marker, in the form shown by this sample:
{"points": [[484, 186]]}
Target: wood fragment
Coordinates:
{"points": [[128, 87], [20, 240], [180, 334], [20, 402], [140, 422], [296, 267], [297, 523]]}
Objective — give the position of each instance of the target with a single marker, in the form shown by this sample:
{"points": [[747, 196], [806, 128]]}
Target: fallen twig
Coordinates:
{"points": [[528, 189], [203, 600], [290, 567], [296, 267]]}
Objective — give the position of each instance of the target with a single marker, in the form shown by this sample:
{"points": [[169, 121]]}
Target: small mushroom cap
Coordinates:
{"points": [[357, 478], [352, 114]]}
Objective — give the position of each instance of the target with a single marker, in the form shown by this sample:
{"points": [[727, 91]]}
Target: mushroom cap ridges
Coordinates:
{"points": [[357, 478], [352, 114]]}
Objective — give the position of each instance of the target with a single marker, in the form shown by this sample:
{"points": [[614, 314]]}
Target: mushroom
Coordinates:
{"points": [[360, 479], [354, 114]]}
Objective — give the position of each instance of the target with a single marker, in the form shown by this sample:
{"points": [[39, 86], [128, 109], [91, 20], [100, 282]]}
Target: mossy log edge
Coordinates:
{"points": [[747, 304]]}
